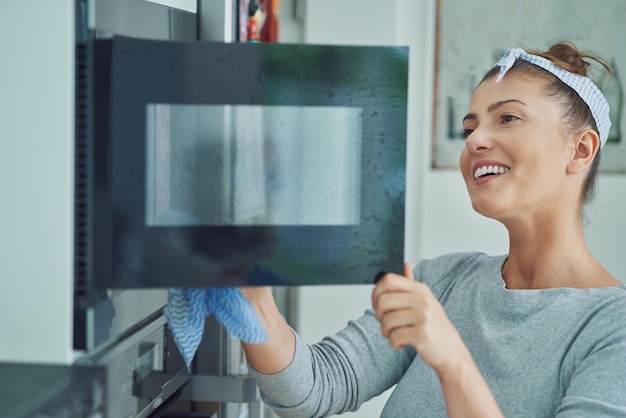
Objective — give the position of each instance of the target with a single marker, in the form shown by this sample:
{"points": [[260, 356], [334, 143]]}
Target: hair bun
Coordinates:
{"points": [[566, 55]]}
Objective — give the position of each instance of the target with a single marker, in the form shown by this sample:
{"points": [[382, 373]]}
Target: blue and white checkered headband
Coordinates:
{"points": [[586, 89]]}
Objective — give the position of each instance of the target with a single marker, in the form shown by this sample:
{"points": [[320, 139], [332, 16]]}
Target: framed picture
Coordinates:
{"points": [[472, 36]]}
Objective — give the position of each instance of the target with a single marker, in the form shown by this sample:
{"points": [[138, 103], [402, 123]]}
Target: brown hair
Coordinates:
{"points": [[576, 114]]}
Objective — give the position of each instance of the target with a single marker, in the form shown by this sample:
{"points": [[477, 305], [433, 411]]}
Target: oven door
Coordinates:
{"points": [[248, 164]]}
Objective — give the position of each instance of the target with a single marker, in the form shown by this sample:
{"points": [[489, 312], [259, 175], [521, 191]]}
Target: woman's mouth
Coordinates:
{"points": [[489, 170]]}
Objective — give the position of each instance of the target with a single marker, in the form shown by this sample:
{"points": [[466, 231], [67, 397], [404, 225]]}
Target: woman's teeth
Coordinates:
{"points": [[489, 169]]}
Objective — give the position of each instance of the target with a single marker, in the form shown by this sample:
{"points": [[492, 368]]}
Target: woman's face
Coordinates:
{"points": [[514, 161]]}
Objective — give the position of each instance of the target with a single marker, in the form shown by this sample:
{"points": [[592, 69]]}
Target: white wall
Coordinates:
{"points": [[606, 228], [439, 216], [36, 180]]}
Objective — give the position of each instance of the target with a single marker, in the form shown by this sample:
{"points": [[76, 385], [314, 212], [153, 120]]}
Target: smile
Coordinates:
{"points": [[489, 170]]}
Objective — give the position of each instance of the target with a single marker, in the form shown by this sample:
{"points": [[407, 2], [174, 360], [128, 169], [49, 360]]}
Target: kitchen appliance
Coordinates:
{"points": [[247, 164], [203, 163]]}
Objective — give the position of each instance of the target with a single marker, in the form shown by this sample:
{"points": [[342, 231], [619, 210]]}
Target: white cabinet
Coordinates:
{"points": [[36, 179]]}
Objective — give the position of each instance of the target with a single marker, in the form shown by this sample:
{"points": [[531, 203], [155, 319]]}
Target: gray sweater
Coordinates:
{"points": [[544, 353]]}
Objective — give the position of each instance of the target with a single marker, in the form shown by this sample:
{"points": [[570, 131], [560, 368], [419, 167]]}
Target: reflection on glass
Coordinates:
{"points": [[253, 165]]}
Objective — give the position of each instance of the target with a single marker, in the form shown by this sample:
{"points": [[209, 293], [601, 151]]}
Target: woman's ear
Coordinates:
{"points": [[585, 147]]}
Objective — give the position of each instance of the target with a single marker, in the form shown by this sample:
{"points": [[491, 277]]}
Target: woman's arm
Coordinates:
{"points": [[276, 354], [410, 314], [296, 379]]}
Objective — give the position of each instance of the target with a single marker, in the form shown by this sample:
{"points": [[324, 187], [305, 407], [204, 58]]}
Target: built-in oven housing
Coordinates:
{"points": [[121, 332], [104, 314]]}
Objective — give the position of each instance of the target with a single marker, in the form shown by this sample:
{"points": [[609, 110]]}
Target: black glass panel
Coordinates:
{"points": [[249, 164]]}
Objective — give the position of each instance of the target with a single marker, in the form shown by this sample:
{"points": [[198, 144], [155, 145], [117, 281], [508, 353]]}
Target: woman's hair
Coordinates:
{"points": [[576, 114]]}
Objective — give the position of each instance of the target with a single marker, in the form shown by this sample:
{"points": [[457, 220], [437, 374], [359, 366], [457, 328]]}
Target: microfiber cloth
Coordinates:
{"points": [[187, 309]]}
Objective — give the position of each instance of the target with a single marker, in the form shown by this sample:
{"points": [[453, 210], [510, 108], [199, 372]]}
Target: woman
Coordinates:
{"points": [[535, 333]]}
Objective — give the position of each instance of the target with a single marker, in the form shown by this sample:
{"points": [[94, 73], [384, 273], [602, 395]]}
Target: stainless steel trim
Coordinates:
{"points": [[186, 5], [136, 379], [217, 20], [140, 19], [120, 313], [221, 389]]}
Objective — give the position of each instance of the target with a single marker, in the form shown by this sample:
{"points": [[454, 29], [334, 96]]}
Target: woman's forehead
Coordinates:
{"points": [[512, 86], [514, 90]]}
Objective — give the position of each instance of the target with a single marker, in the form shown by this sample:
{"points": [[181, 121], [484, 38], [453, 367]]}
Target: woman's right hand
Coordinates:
{"points": [[277, 353]]}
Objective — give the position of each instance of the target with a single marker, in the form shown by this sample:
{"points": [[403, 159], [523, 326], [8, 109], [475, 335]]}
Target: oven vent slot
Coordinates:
{"points": [[81, 177]]}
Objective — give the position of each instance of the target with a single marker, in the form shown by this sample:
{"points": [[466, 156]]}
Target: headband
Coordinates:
{"points": [[583, 86]]}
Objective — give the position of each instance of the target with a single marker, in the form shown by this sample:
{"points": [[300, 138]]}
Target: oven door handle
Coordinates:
{"points": [[163, 389], [164, 406]]}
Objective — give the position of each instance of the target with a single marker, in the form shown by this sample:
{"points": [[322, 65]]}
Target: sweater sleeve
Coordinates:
{"points": [[595, 384], [336, 375]]}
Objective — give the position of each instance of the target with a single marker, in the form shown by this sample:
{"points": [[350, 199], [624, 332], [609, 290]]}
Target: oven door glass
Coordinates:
{"points": [[248, 164]]}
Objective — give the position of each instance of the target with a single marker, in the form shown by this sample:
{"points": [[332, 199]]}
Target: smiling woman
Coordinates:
{"points": [[577, 104], [535, 332], [463, 52]]}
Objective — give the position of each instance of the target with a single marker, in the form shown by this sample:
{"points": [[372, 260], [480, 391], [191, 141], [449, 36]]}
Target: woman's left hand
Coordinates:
{"points": [[409, 314]]}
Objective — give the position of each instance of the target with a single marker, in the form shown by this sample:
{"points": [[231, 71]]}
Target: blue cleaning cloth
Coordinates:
{"points": [[187, 309]]}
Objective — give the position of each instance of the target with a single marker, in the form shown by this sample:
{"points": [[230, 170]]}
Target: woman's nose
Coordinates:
{"points": [[479, 140]]}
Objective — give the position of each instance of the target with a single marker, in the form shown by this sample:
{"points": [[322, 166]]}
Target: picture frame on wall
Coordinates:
{"points": [[472, 36]]}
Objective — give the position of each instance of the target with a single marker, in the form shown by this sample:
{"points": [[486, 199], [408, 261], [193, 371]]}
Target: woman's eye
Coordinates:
{"points": [[467, 132], [508, 118]]}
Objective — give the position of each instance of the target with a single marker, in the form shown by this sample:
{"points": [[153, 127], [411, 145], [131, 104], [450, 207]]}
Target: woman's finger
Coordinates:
{"points": [[392, 320], [392, 301], [408, 272], [392, 282]]}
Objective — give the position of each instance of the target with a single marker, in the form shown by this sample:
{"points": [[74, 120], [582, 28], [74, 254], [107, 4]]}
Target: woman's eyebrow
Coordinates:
{"points": [[501, 103], [492, 107], [470, 116]]}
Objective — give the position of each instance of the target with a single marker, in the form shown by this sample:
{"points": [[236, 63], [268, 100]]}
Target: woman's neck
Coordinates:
{"points": [[552, 256]]}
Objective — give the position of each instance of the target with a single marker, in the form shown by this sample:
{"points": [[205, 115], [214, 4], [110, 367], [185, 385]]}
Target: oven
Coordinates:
{"points": [[203, 163]]}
